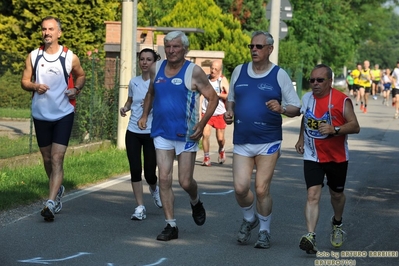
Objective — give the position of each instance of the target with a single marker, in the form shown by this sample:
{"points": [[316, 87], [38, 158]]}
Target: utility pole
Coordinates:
{"points": [[275, 29], [277, 11], [125, 67]]}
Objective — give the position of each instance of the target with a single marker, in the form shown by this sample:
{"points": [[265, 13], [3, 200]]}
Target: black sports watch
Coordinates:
{"points": [[337, 129]]}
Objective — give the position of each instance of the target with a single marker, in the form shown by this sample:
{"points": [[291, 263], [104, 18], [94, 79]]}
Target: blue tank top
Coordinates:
{"points": [[175, 107], [254, 123]]}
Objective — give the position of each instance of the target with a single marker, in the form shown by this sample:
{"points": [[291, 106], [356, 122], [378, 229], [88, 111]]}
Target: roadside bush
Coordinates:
{"points": [[11, 93]]}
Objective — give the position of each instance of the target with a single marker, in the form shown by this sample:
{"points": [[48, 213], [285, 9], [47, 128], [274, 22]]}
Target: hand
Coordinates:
{"points": [[42, 88], [71, 93], [326, 129], [198, 130], [228, 117], [274, 106], [299, 147], [123, 111], [142, 123]]}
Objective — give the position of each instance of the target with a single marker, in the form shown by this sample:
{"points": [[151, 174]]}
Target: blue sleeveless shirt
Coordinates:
{"points": [[175, 107], [254, 123]]}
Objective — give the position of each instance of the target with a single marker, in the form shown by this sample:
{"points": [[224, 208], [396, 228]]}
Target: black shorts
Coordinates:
{"points": [[335, 172], [48, 132], [376, 82], [356, 87], [367, 89], [395, 91]]}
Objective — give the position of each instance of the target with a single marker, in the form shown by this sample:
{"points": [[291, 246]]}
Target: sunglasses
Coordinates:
{"points": [[258, 46], [319, 80]]}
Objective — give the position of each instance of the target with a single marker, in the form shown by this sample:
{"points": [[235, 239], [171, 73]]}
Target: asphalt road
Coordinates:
{"points": [[94, 226], [12, 127]]}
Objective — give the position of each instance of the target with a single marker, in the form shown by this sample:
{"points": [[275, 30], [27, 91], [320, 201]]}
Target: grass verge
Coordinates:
{"points": [[15, 113], [28, 184], [10, 147]]}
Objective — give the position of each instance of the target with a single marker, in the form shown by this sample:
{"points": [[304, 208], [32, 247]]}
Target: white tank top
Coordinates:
{"points": [[220, 109], [54, 104]]}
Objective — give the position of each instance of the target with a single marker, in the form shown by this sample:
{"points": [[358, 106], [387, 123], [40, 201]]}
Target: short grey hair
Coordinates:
{"points": [[55, 18], [269, 37], [177, 34]]}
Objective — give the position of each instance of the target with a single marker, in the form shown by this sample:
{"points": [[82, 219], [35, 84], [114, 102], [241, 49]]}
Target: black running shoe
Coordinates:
{"points": [[199, 214], [168, 233]]}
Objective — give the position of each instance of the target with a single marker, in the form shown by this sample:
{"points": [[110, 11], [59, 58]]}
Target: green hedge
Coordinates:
{"points": [[11, 93]]}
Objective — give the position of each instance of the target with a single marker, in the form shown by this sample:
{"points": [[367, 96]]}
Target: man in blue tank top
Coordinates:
{"points": [[260, 92], [175, 87]]}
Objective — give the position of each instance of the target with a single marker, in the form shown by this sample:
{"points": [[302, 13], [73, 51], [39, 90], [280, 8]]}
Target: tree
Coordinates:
{"points": [[386, 51], [322, 33], [251, 14], [151, 11], [82, 23], [222, 31]]}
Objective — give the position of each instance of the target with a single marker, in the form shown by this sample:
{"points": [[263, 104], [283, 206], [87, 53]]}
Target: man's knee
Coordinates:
{"points": [[314, 194], [337, 195]]}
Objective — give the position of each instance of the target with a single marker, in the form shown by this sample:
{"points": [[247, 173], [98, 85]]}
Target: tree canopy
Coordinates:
{"points": [[222, 31], [82, 23], [336, 32]]}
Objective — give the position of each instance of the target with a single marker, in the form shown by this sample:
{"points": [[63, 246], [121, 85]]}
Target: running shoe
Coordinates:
{"points": [[244, 235], [48, 211], [308, 243], [58, 203], [207, 161], [263, 239], [396, 115], [222, 157], [365, 110], [338, 235], [361, 107], [199, 214], [168, 233], [156, 197], [139, 213]]}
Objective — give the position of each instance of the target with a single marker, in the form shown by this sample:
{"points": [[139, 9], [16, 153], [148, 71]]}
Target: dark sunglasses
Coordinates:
{"points": [[319, 80], [258, 46]]}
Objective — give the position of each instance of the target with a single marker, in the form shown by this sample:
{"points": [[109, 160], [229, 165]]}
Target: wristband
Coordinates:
{"points": [[77, 90]]}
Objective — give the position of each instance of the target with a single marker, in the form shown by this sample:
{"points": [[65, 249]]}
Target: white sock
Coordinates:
{"points": [[264, 222], [248, 213], [171, 222], [194, 202]]}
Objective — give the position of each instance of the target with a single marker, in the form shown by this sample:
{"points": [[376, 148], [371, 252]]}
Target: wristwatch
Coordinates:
{"points": [[337, 129]]}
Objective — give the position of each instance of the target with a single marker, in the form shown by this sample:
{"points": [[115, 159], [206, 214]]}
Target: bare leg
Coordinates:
{"points": [[312, 207], [138, 192], [53, 160], [338, 203], [165, 160]]}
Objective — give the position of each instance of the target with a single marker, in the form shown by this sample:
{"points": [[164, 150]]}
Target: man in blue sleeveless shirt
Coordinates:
{"points": [[260, 92], [174, 92]]}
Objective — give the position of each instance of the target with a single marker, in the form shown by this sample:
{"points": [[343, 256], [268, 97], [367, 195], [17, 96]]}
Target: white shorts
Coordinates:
{"points": [[161, 143], [252, 150]]}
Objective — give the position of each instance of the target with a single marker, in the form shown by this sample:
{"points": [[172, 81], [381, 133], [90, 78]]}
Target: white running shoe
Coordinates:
{"points": [[58, 203], [48, 210], [156, 197], [139, 213]]}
